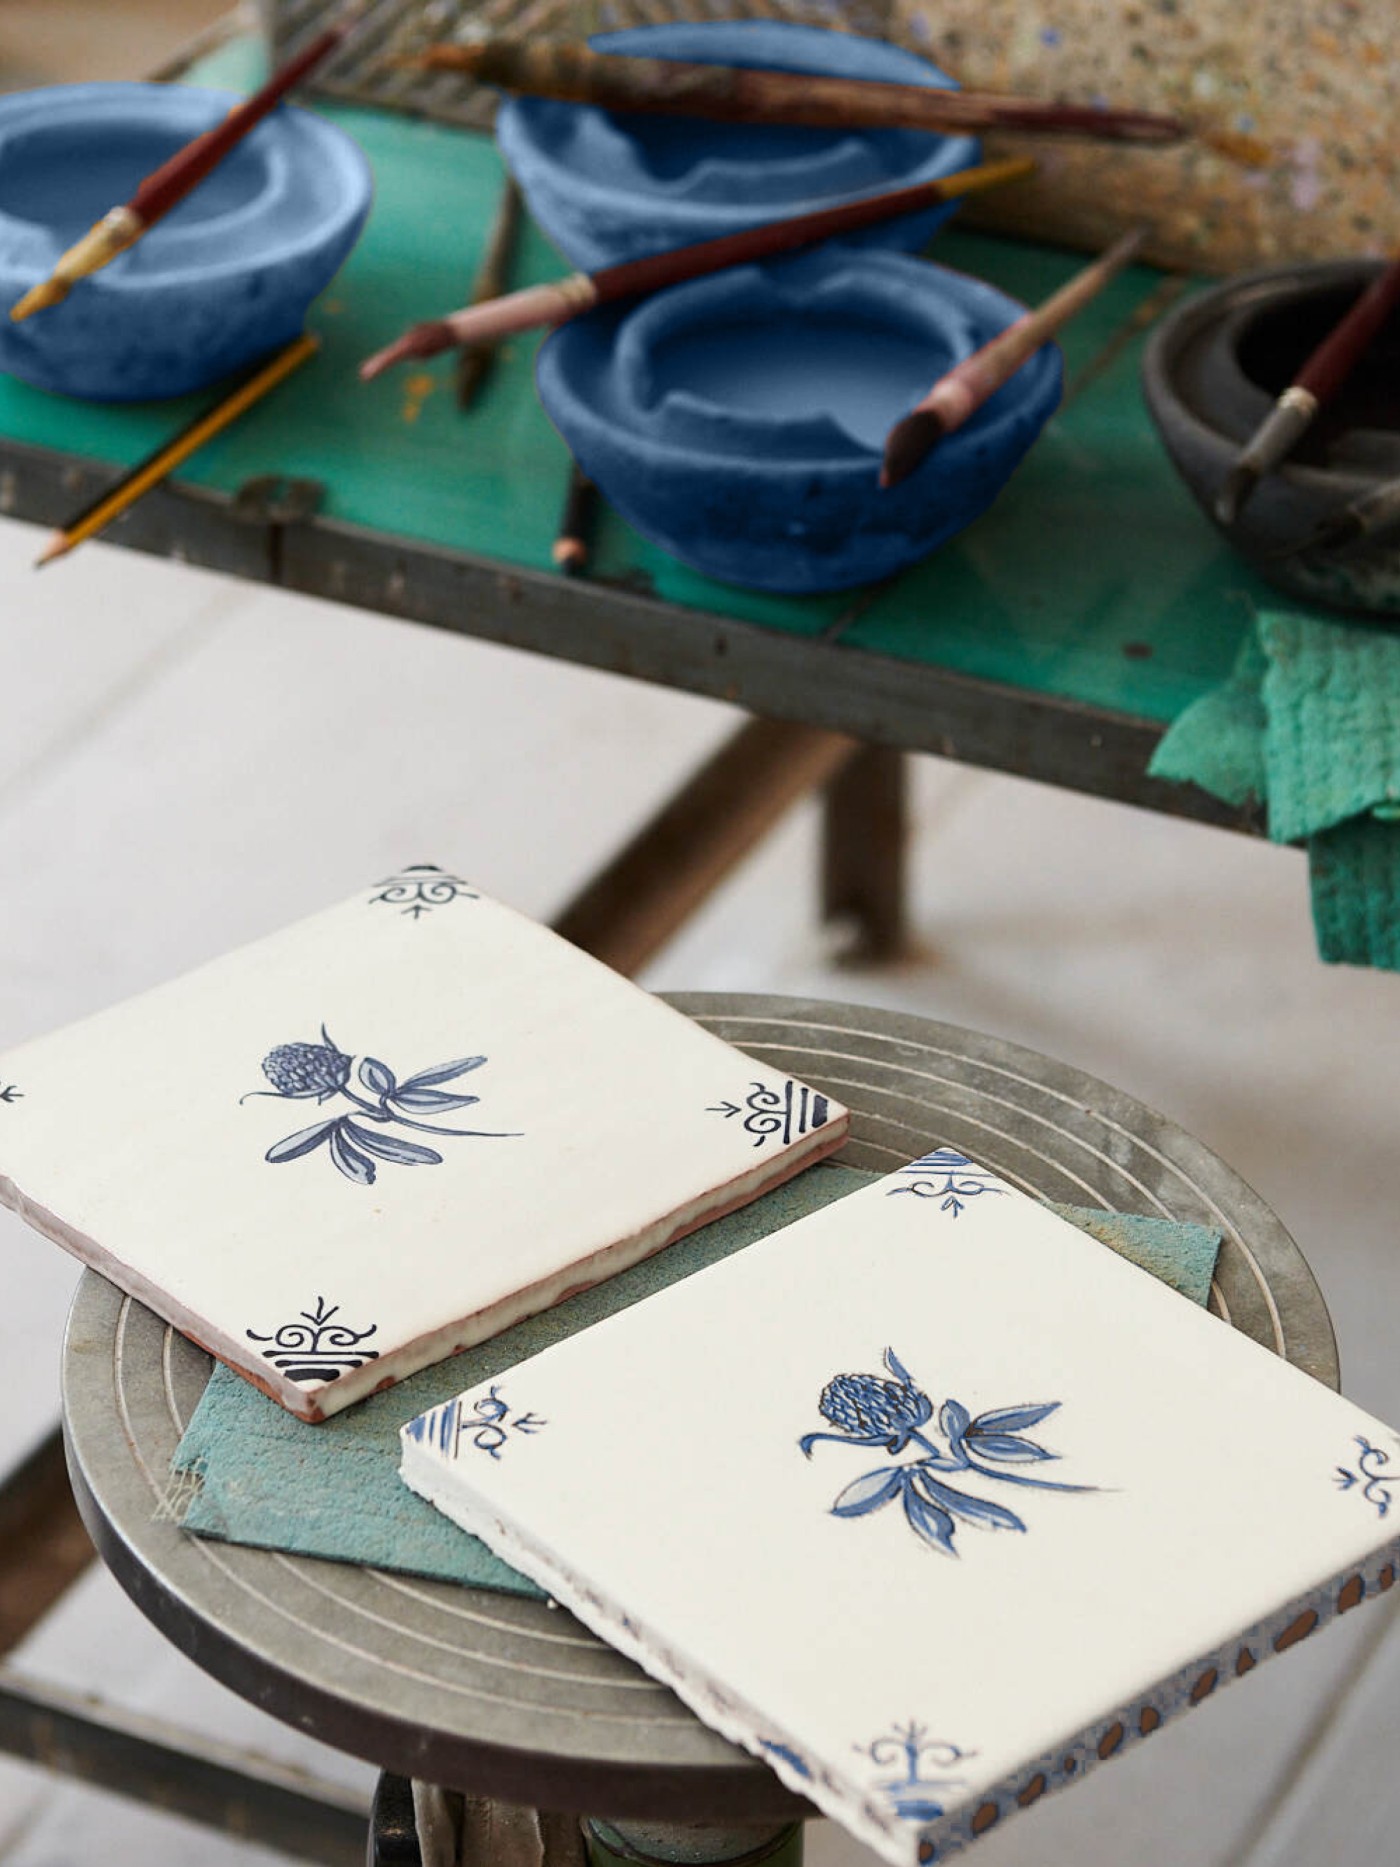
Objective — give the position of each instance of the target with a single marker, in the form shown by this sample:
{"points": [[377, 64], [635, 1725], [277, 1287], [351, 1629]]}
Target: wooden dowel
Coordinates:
{"points": [[493, 275], [569, 70]]}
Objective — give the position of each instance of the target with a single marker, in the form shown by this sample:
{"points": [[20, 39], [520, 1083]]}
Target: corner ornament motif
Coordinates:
{"points": [[789, 1112], [315, 1347], [947, 1176], [915, 1795], [1371, 1476], [421, 887], [486, 1427]]}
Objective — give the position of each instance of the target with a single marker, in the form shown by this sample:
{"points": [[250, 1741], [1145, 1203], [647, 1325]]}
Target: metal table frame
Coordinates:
{"points": [[880, 700]]}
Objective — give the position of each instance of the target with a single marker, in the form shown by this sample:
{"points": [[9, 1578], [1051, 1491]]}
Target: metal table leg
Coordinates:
{"points": [[647, 892], [864, 837]]}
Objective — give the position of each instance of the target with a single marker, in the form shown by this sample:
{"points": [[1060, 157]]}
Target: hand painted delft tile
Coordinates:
{"points": [[945, 1502], [360, 1145]]}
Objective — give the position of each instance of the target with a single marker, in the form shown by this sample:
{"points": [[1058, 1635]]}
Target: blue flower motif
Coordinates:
{"points": [[873, 1411], [307, 1069], [877, 1411], [303, 1071]]}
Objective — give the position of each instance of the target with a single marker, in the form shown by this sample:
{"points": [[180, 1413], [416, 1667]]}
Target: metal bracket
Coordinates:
{"points": [[273, 499]]}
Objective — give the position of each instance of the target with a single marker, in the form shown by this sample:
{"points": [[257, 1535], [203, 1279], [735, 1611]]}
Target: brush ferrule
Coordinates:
{"points": [[1280, 431], [578, 292], [113, 234], [1271, 443]]}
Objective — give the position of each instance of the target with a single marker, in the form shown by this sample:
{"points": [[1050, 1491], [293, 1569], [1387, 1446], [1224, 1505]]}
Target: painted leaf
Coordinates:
{"points": [[432, 1101], [301, 1143], [935, 1526], [391, 1146], [897, 1368], [1014, 1419], [377, 1077], [1006, 1447], [444, 1072], [869, 1492], [953, 1420], [351, 1162], [963, 1504]]}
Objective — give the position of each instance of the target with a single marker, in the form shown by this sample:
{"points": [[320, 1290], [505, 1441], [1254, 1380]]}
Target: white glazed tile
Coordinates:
{"points": [[349, 1150], [1044, 1503]]}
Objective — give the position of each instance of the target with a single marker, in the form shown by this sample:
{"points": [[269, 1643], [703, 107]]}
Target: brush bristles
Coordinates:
{"points": [[38, 298], [1233, 496], [908, 443]]}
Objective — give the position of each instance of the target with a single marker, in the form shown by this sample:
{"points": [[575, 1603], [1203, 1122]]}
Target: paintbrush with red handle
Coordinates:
{"points": [[581, 291], [1316, 383], [168, 185], [956, 397]]}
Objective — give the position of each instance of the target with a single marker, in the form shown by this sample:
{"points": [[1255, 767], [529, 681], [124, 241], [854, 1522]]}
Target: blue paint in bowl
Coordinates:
{"points": [[738, 420], [607, 186], [225, 277]]}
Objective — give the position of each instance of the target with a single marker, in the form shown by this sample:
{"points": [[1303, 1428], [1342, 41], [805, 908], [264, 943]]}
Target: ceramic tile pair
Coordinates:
{"points": [[356, 1147], [943, 1501]]}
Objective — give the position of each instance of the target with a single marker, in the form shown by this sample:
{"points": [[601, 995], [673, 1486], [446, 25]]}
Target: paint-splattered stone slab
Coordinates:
{"points": [[944, 1501], [356, 1147]]}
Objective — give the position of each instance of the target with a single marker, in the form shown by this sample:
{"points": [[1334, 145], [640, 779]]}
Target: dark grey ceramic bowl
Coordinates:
{"points": [[1212, 370]]}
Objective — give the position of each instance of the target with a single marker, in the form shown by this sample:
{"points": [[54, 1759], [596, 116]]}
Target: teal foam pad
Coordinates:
{"points": [[247, 1472], [1332, 695], [1354, 872], [1180, 1255], [1310, 720], [1218, 742]]}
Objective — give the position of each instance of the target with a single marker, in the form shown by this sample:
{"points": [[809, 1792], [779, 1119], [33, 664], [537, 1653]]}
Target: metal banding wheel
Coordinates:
{"points": [[507, 1697]]}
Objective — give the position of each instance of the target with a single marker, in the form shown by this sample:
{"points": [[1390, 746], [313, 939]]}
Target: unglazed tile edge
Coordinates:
{"points": [[1062, 1764]]}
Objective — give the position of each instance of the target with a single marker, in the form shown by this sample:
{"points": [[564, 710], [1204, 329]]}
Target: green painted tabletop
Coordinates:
{"points": [[1093, 577]]}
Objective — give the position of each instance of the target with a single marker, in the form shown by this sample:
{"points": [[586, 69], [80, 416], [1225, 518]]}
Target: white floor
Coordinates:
{"points": [[186, 762]]}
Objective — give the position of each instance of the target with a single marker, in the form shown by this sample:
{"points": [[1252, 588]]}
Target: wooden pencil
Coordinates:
{"points": [[569, 70], [157, 466], [1316, 384], [956, 397], [574, 543], [581, 291], [168, 185], [476, 361]]}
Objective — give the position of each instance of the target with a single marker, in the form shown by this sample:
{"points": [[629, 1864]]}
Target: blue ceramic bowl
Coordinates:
{"points": [[223, 278], [607, 187], [738, 421]]}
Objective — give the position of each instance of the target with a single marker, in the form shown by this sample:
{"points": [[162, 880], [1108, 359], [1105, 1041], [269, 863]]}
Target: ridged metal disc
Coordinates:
{"points": [[508, 1697]]}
